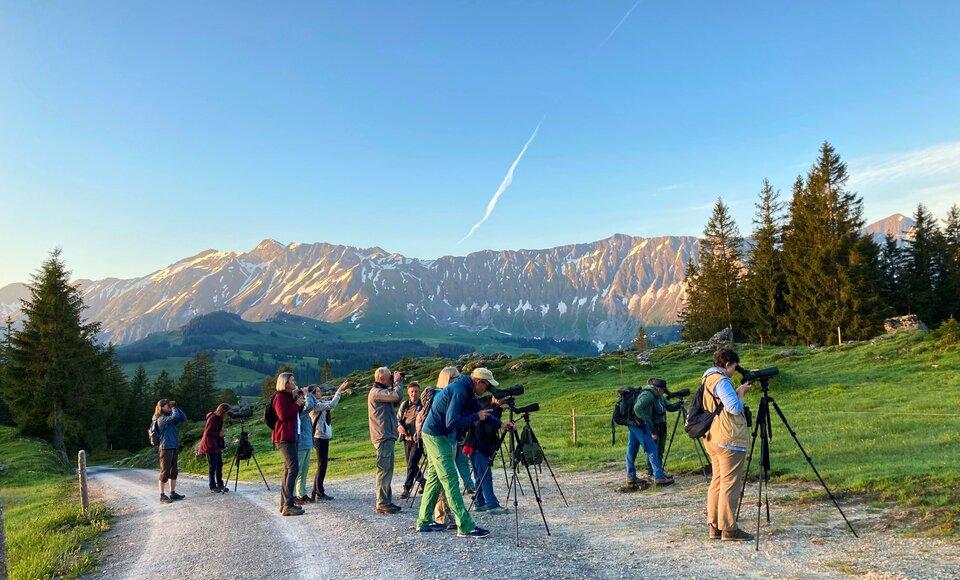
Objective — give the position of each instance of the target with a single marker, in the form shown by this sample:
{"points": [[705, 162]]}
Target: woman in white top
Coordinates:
{"points": [[322, 432]]}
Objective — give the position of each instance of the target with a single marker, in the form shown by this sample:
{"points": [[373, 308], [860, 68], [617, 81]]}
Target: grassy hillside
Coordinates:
{"points": [[47, 536], [878, 418]]}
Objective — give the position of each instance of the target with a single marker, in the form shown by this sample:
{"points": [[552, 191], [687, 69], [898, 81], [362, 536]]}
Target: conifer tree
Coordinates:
{"points": [[5, 417], [327, 374], [640, 342], [892, 265], [52, 376], [141, 405], [714, 297], [922, 273], [949, 290], [763, 282], [163, 388]]}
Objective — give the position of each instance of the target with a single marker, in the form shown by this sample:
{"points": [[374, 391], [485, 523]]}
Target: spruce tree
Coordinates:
{"points": [[164, 387], [5, 417], [640, 342], [922, 273], [141, 405], [327, 374], [714, 299], [53, 382], [892, 266], [949, 288], [763, 282]]}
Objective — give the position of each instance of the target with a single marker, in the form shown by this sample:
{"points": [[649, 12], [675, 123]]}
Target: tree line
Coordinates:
{"points": [[808, 270]]}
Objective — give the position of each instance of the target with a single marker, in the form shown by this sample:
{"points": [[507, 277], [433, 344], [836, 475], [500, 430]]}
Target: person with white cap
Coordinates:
{"points": [[455, 407]]}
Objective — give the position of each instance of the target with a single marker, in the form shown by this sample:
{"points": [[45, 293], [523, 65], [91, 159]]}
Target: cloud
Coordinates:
{"points": [[619, 24], [933, 161]]}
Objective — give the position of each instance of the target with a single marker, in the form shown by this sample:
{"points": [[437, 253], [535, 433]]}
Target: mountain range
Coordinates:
{"points": [[600, 291]]}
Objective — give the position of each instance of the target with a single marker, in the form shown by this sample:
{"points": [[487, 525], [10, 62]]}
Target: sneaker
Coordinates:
{"points": [[714, 532], [214, 490], [387, 509], [480, 508], [663, 482], [306, 499], [634, 481], [498, 510], [476, 533], [175, 496], [452, 526], [293, 511], [223, 489], [405, 494], [735, 535], [164, 498], [324, 497], [431, 527], [393, 505]]}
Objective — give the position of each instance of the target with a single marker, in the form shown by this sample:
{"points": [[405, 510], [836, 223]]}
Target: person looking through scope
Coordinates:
{"points": [[661, 406], [382, 400], [212, 444], [641, 436], [455, 407], [726, 442], [167, 416], [406, 426], [482, 442]]}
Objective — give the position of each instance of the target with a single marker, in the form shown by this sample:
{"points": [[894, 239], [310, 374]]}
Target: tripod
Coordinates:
{"points": [[765, 429], [244, 450], [697, 445]]}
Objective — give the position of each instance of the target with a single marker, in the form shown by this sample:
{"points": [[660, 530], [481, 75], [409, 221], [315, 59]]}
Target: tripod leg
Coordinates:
{"points": [[230, 471], [539, 501], [257, 463], [812, 466], [666, 454], [554, 478], [516, 511], [753, 441], [760, 484]]}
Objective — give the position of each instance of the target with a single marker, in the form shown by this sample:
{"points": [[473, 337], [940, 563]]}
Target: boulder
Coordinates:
{"points": [[721, 338], [908, 322]]}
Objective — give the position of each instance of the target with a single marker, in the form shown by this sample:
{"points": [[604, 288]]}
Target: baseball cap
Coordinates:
{"points": [[484, 374]]}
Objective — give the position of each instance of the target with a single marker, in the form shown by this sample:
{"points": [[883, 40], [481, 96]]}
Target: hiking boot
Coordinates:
{"points": [[176, 496], [714, 532], [735, 535], [306, 499], [324, 497], [293, 511], [663, 482], [498, 510], [387, 509], [431, 527], [405, 494], [214, 490], [164, 498], [223, 489], [480, 508], [393, 505], [475, 533]]}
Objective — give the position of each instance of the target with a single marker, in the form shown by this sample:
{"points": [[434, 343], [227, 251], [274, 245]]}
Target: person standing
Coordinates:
{"points": [[484, 439], [455, 407], [286, 404], [641, 436], [661, 406], [167, 417], [406, 426], [726, 442], [212, 444], [382, 419], [460, 459], [322, 433], [304, 445]]}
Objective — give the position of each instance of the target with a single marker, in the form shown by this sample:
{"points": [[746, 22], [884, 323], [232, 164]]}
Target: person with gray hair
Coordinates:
{"points": [[287, 403], [382, 416]]}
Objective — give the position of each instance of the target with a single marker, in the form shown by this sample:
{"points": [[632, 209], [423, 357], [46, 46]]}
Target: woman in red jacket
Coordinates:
{"points": [[212, 443], [287, 404]]}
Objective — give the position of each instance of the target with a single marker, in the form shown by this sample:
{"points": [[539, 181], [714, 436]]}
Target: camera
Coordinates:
{"points": [[531, 408], [750, 376], [403, 374], [513, 391], [240, 413], [678, 394]]}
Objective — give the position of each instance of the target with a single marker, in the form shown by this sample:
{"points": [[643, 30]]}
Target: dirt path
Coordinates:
{"points": [[603, 534]]}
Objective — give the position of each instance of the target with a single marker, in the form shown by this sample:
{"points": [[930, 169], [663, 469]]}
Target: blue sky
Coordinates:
{"points": [[135, 134]]}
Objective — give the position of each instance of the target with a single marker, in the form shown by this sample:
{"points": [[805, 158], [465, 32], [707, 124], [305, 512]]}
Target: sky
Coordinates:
{"points": [[134, 134]]}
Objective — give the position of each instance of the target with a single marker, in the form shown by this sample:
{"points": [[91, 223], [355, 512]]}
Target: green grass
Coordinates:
{"points": [[47, 535], [877, 418]]}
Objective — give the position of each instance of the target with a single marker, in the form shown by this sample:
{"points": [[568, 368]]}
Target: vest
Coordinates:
{"points": [[727, 428]]}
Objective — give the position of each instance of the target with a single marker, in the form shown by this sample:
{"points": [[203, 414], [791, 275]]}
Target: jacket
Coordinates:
{"points": [[380, 413], [288, 414], [321, 417], [485, 435], [305, 437], [169, 431], [453, 409], [729, 428], [210, 440], [407, 417], [645, 406]]}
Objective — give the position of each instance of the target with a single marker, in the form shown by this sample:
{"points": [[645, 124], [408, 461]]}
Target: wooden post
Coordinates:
{"points": [[621, 367], [82, 472], [761, 342], [839, 339], [573, 414], [3, 545]]}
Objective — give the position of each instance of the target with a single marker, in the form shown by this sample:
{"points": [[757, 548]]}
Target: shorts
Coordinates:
{"points": [[168, 464]]}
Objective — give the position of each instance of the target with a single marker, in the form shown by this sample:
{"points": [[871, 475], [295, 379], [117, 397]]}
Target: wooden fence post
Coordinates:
{"points": [[82, 472], [839, 339], [3, 545], [573, 414]]}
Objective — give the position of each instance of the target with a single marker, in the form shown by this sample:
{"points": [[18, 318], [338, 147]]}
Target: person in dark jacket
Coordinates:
{"points": [[406, 426], [482, 443], [212, 444], [287, 404], [167, 417]]}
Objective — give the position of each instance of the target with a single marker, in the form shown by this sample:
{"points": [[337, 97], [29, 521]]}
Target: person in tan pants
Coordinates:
{"points": [[726, 442]]}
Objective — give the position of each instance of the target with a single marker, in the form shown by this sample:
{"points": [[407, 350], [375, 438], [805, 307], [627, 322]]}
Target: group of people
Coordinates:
{"points": [[453, 429], [725, 442]]}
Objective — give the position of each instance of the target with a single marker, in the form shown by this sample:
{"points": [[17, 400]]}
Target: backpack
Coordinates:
{"points": [[270, 414], [154, 434], [426, 400], [623, 410], [528, 450], [699, 419], [244, 449]]}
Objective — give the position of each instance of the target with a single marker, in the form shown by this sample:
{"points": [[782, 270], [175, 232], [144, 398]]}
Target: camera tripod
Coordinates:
{"points": [[764, 428], [244, 445], [697, 445]]}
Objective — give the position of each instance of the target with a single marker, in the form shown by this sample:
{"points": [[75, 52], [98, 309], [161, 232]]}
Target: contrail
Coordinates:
{"points": [[507, 180], [619, 24]]}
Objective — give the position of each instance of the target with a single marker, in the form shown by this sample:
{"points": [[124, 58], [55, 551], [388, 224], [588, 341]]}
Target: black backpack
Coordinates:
{"points": [[623, 411], [699, 419], [528, 450], [270, 414], [244, 449]]}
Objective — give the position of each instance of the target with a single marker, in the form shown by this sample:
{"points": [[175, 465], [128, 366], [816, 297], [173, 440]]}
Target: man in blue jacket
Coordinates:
{"points": [[167, 417], [454, 408]]}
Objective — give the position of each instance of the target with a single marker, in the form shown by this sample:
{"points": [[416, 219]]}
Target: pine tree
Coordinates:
{"points": [[892, 266], [922, 273], [52, 376], [949, 289], [164, 387], [142, 406], [229, 397], [714, 299], [327, 374], [640, 342], [763, 283], [5, 417], [196, 391]]}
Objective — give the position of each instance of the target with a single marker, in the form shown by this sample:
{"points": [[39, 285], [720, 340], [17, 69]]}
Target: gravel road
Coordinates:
{"points": [[603, 534]]}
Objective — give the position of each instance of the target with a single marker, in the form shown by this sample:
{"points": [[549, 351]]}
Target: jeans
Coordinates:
{"points": [[215, 461], [661, 433], [483, 467], [442, 478], [323, 456], [291, 466], [385, 458], [641, 437], [303, 462], [414, 453]]}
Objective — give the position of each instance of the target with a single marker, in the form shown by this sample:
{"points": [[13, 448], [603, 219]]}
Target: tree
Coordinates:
{"points": [[52, 377], [640, 341], [163, 388], [5, 417], [922, 277], [714, 299], [196, 391], [892, 266], [141, 405], [327, 374], [949, 289], [763, 282], [229, 397]]}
